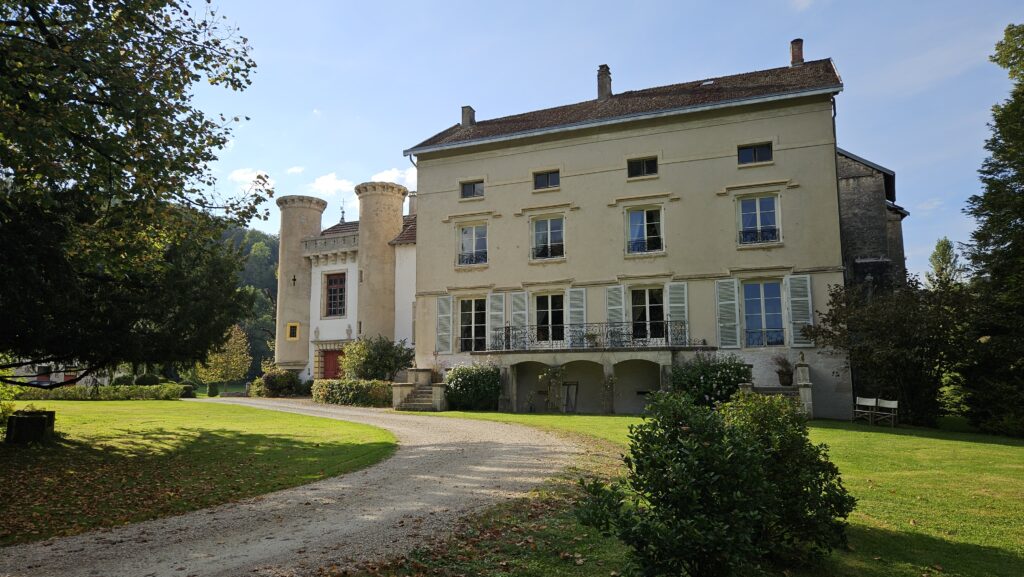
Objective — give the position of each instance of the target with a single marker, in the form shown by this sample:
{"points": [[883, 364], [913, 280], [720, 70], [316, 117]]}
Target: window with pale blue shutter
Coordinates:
{"points": [[577, 298]]}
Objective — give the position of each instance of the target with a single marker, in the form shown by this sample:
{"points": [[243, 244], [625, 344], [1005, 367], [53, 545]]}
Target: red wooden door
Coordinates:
{"points": [[331, 368]]}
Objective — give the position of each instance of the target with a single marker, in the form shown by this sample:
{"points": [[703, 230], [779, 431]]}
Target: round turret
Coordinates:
{"points": [[300, 219], [380, 220]]}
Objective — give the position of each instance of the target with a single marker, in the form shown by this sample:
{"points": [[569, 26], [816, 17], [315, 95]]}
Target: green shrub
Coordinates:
{"points": [[804, 511], [304, 388], [722, 491], [277, 383], [213, 390], [690, 501], [165, 392], [188, 392], [358, 392], [7, 394], [122, 380], [375, 358], [710, 378], [148, 380], [473, 387]]}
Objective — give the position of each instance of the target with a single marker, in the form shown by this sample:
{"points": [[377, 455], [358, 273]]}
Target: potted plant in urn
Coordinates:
{"points": [[784, 369]]}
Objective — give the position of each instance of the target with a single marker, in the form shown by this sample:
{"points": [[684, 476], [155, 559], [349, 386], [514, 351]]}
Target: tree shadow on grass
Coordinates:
{"points": [[885, 553], [920, 432], [69, 486]]}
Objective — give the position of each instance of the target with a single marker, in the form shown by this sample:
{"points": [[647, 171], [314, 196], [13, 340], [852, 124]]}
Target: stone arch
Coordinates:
{"points": [[589, 379], [633, 380], [526, 376]]}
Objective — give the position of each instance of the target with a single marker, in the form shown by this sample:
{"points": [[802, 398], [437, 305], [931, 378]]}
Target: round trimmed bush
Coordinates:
{"points": [[213, 390], [122, 380], [188, 392], [473, 388], [147, 380], [275, 383]]}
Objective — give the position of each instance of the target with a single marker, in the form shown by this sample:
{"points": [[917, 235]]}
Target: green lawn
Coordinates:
{"points": [[122, 461], [929, 503]]}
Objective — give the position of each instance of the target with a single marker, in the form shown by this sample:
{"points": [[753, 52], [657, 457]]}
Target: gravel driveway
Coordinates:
{"points": [[442, 470]]}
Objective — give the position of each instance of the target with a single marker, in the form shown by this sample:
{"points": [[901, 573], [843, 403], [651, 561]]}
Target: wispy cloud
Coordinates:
{"points": [[296, 170], [939, 62], [245, 177], [330, 184], [929, 205], [406, 177], [316, 112], [800, 5]]}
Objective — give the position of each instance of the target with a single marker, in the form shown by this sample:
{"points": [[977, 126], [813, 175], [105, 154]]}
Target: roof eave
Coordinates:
{"points": [[835, 89]]}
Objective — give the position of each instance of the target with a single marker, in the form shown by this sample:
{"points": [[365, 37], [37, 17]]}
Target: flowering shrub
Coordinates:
{"points": [[473, 388], [710, 378]]}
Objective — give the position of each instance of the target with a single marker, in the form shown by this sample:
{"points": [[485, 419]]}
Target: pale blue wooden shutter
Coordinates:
{"points": [[520, 320], [443, 344], [577, 298], [496, 321], [801, 311], [615, 303], [678, 328], [727, 299]]}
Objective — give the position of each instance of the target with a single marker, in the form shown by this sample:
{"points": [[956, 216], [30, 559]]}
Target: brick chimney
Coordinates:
{"points": [[468, 116], [796, 52], [604, 82]]}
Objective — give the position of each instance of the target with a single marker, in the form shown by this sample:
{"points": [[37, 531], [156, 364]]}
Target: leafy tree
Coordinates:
{"points": [[259, 327], [228, 363], [898, 340], [106, 211], [995, 378], [946, 267], [376, 358]]}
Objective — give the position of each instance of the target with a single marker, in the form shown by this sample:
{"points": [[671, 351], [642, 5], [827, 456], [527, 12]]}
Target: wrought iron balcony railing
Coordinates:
{"points": [[549, 251], [759, 235], [475, 257], [650, 244], [633, 335], [765, 337]]}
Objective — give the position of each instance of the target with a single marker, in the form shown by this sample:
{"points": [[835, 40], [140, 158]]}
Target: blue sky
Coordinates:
{"points": [[342, 88]]}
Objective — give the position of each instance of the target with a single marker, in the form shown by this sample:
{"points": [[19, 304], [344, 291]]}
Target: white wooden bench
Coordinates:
{"points": [[865, 409]]}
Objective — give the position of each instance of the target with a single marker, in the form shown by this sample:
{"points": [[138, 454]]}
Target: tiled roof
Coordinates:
{"points": [[813, 75], [408, 234], [342, 228]]}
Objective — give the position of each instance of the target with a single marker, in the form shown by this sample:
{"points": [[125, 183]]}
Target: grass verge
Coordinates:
{"points": [[931, 503], [124, 461]]}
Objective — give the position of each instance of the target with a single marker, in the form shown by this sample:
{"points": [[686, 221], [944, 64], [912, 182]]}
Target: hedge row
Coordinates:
{"points": [[165, 392], [357, 392]]}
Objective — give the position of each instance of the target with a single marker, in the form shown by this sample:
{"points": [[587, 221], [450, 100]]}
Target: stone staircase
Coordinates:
{"points": [[420, 399]]}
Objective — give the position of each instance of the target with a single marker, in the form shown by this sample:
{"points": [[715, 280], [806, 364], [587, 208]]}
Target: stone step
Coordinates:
{"points": [[415, 407]]}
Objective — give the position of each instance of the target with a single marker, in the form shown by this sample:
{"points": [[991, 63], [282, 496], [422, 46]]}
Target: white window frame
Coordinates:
{"points": [[474, 327], [533, 236], [757, 204], [458, 241], [550, 325], [473, 181], [742, 297], [647, 311], [661, 223]]}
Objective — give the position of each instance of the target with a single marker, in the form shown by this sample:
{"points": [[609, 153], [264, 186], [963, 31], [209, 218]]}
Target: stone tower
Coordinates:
{"points": [[380, 220], [300, 219]]}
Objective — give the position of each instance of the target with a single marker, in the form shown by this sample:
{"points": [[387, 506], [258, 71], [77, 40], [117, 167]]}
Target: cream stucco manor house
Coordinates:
{"points": [[613, 237]]}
